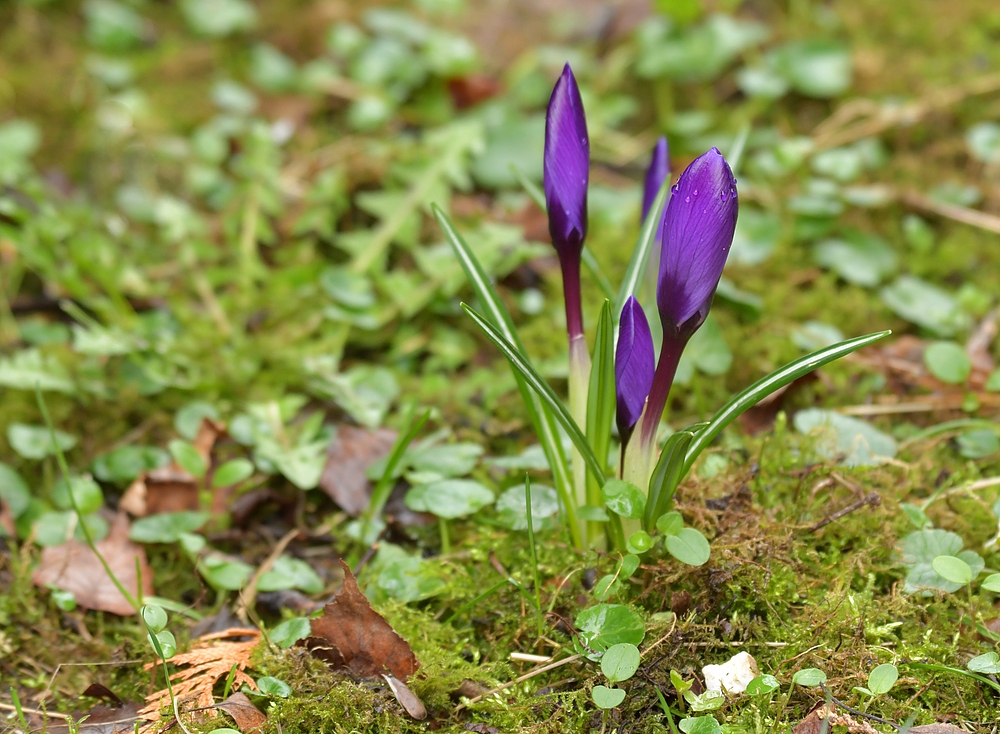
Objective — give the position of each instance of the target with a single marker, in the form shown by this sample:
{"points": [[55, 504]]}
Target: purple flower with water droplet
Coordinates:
{"points": [[656, 174], [698, 228], [566, 167], [634, 365]]}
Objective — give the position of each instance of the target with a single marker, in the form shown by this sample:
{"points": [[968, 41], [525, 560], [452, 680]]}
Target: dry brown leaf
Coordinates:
{"points": [[407, 698], [99, 720], [73, 567], [352, 636], [171, 488], [347, 460], [210, 659], [247, 716], [813, 722]]}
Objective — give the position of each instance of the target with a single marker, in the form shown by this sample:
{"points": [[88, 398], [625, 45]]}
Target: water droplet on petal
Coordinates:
{"points": [[687, 199]]}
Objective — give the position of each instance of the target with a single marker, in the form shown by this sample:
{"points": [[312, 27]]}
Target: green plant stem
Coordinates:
{"points": [[534, 555], [579, 384], [88, 538]]}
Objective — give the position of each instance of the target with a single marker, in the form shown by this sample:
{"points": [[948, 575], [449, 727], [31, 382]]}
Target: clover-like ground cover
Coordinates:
{"points": [[140, 153]]}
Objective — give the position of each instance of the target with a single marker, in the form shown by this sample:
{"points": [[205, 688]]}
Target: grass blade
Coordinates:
{"points": [[601, 403], [542, 389], [383, 489], [541, 418], [640, 255], [766, 385]]}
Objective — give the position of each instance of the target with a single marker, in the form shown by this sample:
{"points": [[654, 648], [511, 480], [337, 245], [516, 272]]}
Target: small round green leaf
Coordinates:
{"points": [[670, 523], [689, 546], [64, 600], [167, 644], [166, 527], [154, 617], [450, 498], [992, 583], [762, 685], [623, 498], [84, 490], [274, 687], [607, 698], [232, 472], [700, 725], [14, 490], [188, 457], [987, 663], [290, 631], [639, 542], [952, 569], [620, 662], [948, 362], [882, 678], [809, 677]]}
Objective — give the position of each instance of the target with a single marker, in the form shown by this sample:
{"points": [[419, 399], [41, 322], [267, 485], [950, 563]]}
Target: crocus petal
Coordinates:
{"points": [[698, 228], [656, 174], [634, 365], [566, 166]]}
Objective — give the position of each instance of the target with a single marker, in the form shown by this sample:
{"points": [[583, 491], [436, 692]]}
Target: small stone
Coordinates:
{"points": [[733, 676]]}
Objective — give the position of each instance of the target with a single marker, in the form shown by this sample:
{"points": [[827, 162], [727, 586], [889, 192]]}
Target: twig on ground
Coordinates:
{"points": [[520, 679], [249, 595], [38, 712], [872, 498], [963, 214], [844, 706]]}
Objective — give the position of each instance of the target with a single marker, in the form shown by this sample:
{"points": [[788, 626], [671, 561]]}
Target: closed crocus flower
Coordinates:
{"points": [[566, 173], [656, 174], [634, 366], [698, 226]]}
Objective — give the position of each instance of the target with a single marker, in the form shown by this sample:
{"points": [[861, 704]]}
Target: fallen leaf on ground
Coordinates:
{"points": [[247, 716], [171, 488], [99, 720], [210, 659], [73, 567], [814, 723], [937, 729], [407, 698], [352, 636], [347, 460]]}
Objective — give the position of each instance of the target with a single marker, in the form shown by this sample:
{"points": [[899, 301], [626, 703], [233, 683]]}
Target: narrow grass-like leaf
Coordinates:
{"points": [[752, 395], [640, 255], [383, 489], [534, 555], [601, 398], [735, 155], [542, 389], [541, 418], [667, 475]]}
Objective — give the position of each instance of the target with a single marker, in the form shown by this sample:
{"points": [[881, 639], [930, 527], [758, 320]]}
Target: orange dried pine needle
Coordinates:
{"points": [[210, 659]]}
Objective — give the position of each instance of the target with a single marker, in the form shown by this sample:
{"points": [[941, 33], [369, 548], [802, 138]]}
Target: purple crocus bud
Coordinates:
{"points": [[634, 365], [698, 228], [566, 173], [656, 174]]}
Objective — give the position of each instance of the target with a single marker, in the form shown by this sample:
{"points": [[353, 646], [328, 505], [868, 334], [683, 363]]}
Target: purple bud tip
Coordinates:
{"points": [[656, 174], [698, 228], [634, 365], [566, 166]]}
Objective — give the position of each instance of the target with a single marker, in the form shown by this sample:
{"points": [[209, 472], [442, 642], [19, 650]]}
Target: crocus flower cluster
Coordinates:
{"points": [[695, 235]]}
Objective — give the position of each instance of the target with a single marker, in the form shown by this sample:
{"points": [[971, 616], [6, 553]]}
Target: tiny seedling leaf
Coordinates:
{"points": [[607, 698], [620, 662]]}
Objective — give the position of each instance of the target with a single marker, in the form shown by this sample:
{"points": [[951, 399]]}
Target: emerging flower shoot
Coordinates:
{"points": [[634, 366]]}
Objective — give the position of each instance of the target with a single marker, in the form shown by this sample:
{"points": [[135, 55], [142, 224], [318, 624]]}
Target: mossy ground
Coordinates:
{"points": [[794, 597]]}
